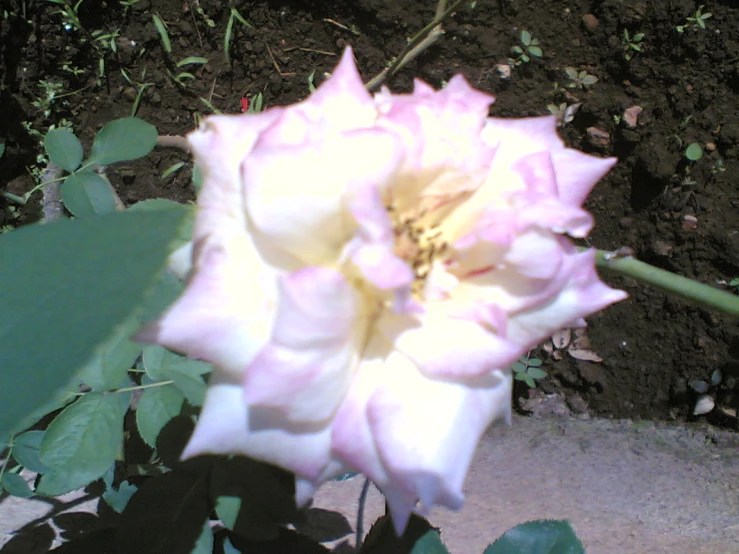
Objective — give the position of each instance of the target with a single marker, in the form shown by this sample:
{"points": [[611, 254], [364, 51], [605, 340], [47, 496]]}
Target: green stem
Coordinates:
{"points": [[687, 289], [142, 387], [12, 197]]}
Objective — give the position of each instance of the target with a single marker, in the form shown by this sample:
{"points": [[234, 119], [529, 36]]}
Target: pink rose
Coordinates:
{"points": [[364, 272]]}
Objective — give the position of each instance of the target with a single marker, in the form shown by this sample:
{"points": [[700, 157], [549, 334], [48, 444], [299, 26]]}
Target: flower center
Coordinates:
{"points": [[420, 246]]}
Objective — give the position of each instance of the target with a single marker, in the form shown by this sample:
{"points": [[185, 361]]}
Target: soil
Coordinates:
{"points": [[679, 215]]}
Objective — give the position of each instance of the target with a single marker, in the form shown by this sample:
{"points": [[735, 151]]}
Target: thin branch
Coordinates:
{"points": [[420, 42], [51, 201]]}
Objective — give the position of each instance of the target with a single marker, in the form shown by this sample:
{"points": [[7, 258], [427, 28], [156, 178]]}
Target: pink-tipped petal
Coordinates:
{"points": [[225, 427], [225, 313], [416, 447], [577, 174], [467, 351], [305, 369], [583, 295]]}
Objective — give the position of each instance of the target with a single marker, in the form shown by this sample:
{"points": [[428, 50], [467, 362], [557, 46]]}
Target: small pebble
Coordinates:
{"points": [[630, 116], [690, 222], [590, 22], [598, 137]]}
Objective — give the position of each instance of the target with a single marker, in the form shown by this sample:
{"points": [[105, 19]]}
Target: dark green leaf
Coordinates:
{"points": [[156, 407], [124, 139], [382, 538], [429, 543], [82, 442], [250, 499], [86, 193], [63, 148], [538, 537], [166, 515], [26, 451], [84, 278], [185, 234], [118, 499], [173, 438], [98, 541], [229, 548], [15, 485]]}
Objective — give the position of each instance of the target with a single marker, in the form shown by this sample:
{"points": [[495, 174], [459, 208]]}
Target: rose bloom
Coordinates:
{"points": [[363, 272]]}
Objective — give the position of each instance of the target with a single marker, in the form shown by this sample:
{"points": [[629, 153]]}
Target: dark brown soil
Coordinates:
{"points": [[686, 83]]}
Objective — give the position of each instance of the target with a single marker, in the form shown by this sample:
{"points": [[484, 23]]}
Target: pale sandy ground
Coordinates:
{"points": [[627, 488]]}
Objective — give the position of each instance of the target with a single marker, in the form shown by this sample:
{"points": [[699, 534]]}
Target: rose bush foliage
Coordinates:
{"points": [[363, 272]]}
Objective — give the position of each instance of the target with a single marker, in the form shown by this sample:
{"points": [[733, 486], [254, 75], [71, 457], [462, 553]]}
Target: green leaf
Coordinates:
{"points": [[538, 537], [192, 60], [534, 362], [535, 51], [197, 179], [2, 149], [525, 38], [536, 373], [229, 548], [382, 538], [192, 386], [112, 361], [82, 442], [154, 204], [85, 276], [166, 515], [86, 193], [26, 451], [118, 499], [15, 485], [429, 543], [204, 544], [63, 148], [162, 365], [156, 407], [123, 139], [163, 35]]}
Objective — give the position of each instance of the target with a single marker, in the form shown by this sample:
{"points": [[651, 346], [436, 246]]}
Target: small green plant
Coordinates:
{"points": [[228, 37], [580, 79], [51, 93], [140, 85], [564, 112], [173, 68], [85, 192], [70, 18], [528, 370], [698, 21], [256, 104], [718, 167], [631, 44], [528, 49], [734, 285]]}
